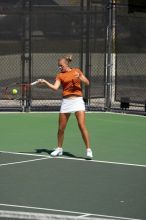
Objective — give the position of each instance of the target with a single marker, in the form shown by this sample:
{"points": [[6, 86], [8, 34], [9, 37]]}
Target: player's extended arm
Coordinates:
{"points": [[54, 86]]}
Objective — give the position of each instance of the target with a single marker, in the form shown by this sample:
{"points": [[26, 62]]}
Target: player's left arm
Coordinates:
{"points": [[82, 77]]}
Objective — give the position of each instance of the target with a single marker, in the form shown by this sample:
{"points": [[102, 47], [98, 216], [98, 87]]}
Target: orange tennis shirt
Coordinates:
{"points": [[70, 83]]}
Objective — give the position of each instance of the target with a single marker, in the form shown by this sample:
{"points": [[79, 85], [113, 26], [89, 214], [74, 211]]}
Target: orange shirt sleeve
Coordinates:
{"points": [[58, 77]]}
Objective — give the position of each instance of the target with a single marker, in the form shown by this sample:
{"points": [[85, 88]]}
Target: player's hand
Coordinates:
{"points": [[77, 75], [41, 81]]}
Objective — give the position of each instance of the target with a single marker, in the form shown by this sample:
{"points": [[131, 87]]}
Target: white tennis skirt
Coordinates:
{"points": [[72, 105]]}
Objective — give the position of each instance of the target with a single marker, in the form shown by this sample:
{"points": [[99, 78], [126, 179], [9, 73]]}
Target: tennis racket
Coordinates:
{"points": [[15, 91]]}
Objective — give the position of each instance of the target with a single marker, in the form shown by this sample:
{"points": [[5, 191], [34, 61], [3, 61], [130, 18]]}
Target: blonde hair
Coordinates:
{"points": [[67, 58]]}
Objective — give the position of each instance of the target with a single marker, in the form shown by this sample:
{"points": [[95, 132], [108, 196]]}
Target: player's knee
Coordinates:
{"points": [[61, 130]]}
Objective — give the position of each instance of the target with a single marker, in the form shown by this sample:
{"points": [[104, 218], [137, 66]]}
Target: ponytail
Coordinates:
{"points": [[68, 58]]}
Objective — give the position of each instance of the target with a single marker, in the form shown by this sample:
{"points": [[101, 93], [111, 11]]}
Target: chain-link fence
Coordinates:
{"points": [[106, 39], [11, 29], [56, 31], [129, 53], [68, 27]]}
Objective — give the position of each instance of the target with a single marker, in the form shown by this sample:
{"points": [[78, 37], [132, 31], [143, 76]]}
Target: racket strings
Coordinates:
{"points": [[22, 90]]}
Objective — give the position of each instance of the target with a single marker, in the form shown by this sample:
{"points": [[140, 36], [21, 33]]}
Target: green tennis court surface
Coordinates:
{"points": [[112, 186]]}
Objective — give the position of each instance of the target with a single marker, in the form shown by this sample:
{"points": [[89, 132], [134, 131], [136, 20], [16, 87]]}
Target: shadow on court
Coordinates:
{"points": [[65, 153], [47, 151]]}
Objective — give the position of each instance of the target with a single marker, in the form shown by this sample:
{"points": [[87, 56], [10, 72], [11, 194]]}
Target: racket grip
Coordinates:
{"points": [[34, 83]]}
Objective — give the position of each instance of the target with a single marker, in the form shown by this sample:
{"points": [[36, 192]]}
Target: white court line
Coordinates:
{"points": [[77, 159], [23, 161], [82, 216], [103, 161], [66, 211], [88, 112], [25, 154], [118, 113]]}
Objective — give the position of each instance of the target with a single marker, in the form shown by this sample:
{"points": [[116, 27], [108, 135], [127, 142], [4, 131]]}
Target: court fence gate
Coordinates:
{"points": [[106, 38]]}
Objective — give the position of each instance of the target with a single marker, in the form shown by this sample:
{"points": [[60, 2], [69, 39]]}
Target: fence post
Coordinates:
{"points": [[82, 34], [26, 56], [87, 65], [108, 83], [28, 52]]}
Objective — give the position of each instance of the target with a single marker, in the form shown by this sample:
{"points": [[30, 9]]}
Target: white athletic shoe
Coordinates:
{"points": [[57, 152], [89, 153]]}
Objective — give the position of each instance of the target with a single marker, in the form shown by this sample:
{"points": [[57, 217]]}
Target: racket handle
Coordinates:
{"points": [[34, 83]]}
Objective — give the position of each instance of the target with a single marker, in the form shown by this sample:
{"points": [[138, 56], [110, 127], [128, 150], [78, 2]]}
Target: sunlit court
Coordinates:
{"points": [[72, 110]]}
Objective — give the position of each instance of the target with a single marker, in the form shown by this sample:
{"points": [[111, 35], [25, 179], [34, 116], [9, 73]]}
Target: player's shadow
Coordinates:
{"points": [[65, 153]]}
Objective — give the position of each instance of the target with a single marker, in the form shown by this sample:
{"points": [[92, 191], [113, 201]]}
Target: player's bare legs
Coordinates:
{"points": [[80, 115], [82, 126], [63, 119]]}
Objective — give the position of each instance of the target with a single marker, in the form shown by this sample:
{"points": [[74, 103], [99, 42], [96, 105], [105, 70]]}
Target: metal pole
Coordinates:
{"points": [[28, 52], [87, 67], [23, 60], [29, 68], [26, 56], [108, 58], [82, 34]]}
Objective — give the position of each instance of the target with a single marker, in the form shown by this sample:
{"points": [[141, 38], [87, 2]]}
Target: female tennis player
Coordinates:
{"points": [[70, 79]]}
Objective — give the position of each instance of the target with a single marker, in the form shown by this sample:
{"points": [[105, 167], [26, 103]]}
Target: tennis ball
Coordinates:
{"points": [[14, 91]]}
